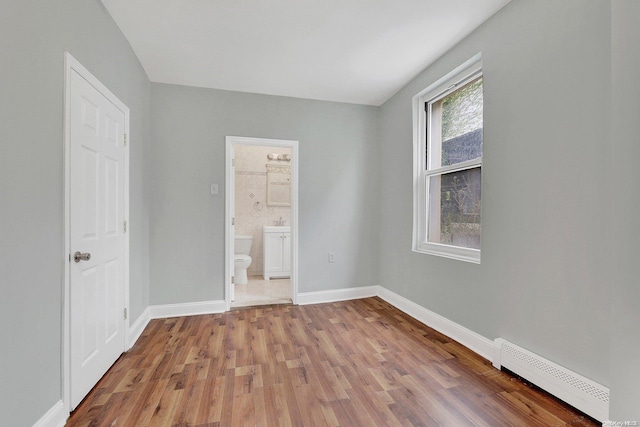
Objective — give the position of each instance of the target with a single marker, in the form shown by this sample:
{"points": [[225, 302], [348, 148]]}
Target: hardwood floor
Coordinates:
{"points": [[352, 363]]}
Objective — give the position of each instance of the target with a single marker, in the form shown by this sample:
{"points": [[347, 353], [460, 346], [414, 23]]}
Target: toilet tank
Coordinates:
{"points": [[243, 244]]}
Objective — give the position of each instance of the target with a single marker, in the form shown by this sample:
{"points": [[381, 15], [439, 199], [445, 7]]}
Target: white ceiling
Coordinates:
{"points": [[357, 51]]}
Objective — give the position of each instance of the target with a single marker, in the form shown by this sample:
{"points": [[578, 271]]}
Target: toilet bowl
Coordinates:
{"points": [[242, 260]]}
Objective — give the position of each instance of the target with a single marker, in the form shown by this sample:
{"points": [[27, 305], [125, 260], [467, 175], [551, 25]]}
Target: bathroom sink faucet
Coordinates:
{"points": [[280, 222]]}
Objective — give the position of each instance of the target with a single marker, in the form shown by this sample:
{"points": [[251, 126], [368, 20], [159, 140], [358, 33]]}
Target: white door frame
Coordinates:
{"points": [[72, 65], [232, 141]]}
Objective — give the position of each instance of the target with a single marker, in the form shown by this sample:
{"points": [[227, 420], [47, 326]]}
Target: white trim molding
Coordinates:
{"points": [[334, 295], [55, 417], [137, 328], [473, 341], [187, 309]]}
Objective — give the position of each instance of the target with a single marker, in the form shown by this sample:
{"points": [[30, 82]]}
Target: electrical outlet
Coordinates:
{"points": [[332, 257]]}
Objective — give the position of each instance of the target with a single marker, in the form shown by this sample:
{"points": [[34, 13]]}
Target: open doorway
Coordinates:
{"points": [[261, 223]]}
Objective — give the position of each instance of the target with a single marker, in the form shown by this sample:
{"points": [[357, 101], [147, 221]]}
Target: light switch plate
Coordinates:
{"points": [[214, 188]]}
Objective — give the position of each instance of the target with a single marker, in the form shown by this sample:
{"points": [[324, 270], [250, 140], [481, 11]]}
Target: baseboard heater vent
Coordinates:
{"points": [[582, 393]]}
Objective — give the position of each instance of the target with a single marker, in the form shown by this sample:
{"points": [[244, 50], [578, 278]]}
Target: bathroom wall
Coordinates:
{"points": [[252, 212]]}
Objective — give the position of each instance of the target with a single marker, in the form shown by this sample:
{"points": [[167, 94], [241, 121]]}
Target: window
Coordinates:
{"points": [[448, 124]]}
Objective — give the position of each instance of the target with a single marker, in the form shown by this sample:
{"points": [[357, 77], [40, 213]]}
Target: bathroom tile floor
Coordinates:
{"points": [[261, 292]]}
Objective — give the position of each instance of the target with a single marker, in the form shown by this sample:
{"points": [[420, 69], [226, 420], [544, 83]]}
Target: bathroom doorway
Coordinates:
{"points": [[261, 221]]}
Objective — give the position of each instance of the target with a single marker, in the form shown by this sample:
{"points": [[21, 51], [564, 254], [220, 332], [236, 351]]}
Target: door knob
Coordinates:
{"points": [[77, 257]]}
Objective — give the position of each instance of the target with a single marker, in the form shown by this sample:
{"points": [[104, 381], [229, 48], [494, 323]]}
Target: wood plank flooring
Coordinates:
{"points": [[352, 363]]}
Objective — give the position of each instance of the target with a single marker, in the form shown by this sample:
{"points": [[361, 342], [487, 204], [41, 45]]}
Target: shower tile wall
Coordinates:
{"points": [[252, 212]]}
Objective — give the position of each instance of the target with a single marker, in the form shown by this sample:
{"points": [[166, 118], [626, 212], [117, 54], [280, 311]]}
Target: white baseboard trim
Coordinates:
{"points": [[55, 417], [187, 309], [136, 329], [334, 295], [473, 341]]}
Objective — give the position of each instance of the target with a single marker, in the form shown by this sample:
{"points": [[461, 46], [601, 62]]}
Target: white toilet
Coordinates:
{"points": [[242, 260]]}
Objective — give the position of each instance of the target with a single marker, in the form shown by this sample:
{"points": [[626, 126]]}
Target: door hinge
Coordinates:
{"points": [[125, 313], [125, 139], [233, 279], [233, 221], [125, 226], [233, 162]]}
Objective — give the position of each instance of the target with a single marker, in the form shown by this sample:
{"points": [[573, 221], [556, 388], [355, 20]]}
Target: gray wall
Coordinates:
{"points": [[625, 315], [33, 38], [338, 187], [543, 282], [559, 188]]}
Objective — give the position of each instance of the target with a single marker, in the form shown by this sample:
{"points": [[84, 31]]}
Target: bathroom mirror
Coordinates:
{"points": [[278, 185]]}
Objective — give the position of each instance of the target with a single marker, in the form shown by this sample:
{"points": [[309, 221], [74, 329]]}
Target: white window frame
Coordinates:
{"points": [[466, 72]]}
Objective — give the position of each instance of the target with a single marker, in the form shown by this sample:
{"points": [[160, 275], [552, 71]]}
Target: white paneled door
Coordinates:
{"points": [[97, 235]]}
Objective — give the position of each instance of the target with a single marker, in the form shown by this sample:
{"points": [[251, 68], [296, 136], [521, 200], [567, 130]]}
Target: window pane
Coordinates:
{"points": [[462, 124], [454, 208]]}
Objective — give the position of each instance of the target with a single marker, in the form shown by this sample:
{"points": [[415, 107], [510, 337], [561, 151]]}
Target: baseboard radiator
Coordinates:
{"points": [[580, 392]]}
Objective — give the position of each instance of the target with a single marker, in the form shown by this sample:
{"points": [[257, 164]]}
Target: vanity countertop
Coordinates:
{"points": [[277, 229]]}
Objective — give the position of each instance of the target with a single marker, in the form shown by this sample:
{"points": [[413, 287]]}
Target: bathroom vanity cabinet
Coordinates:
{"points": [[277, 252]]}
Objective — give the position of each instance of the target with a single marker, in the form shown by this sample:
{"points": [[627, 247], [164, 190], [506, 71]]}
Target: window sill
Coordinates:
{"points": [[451, 252]]}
